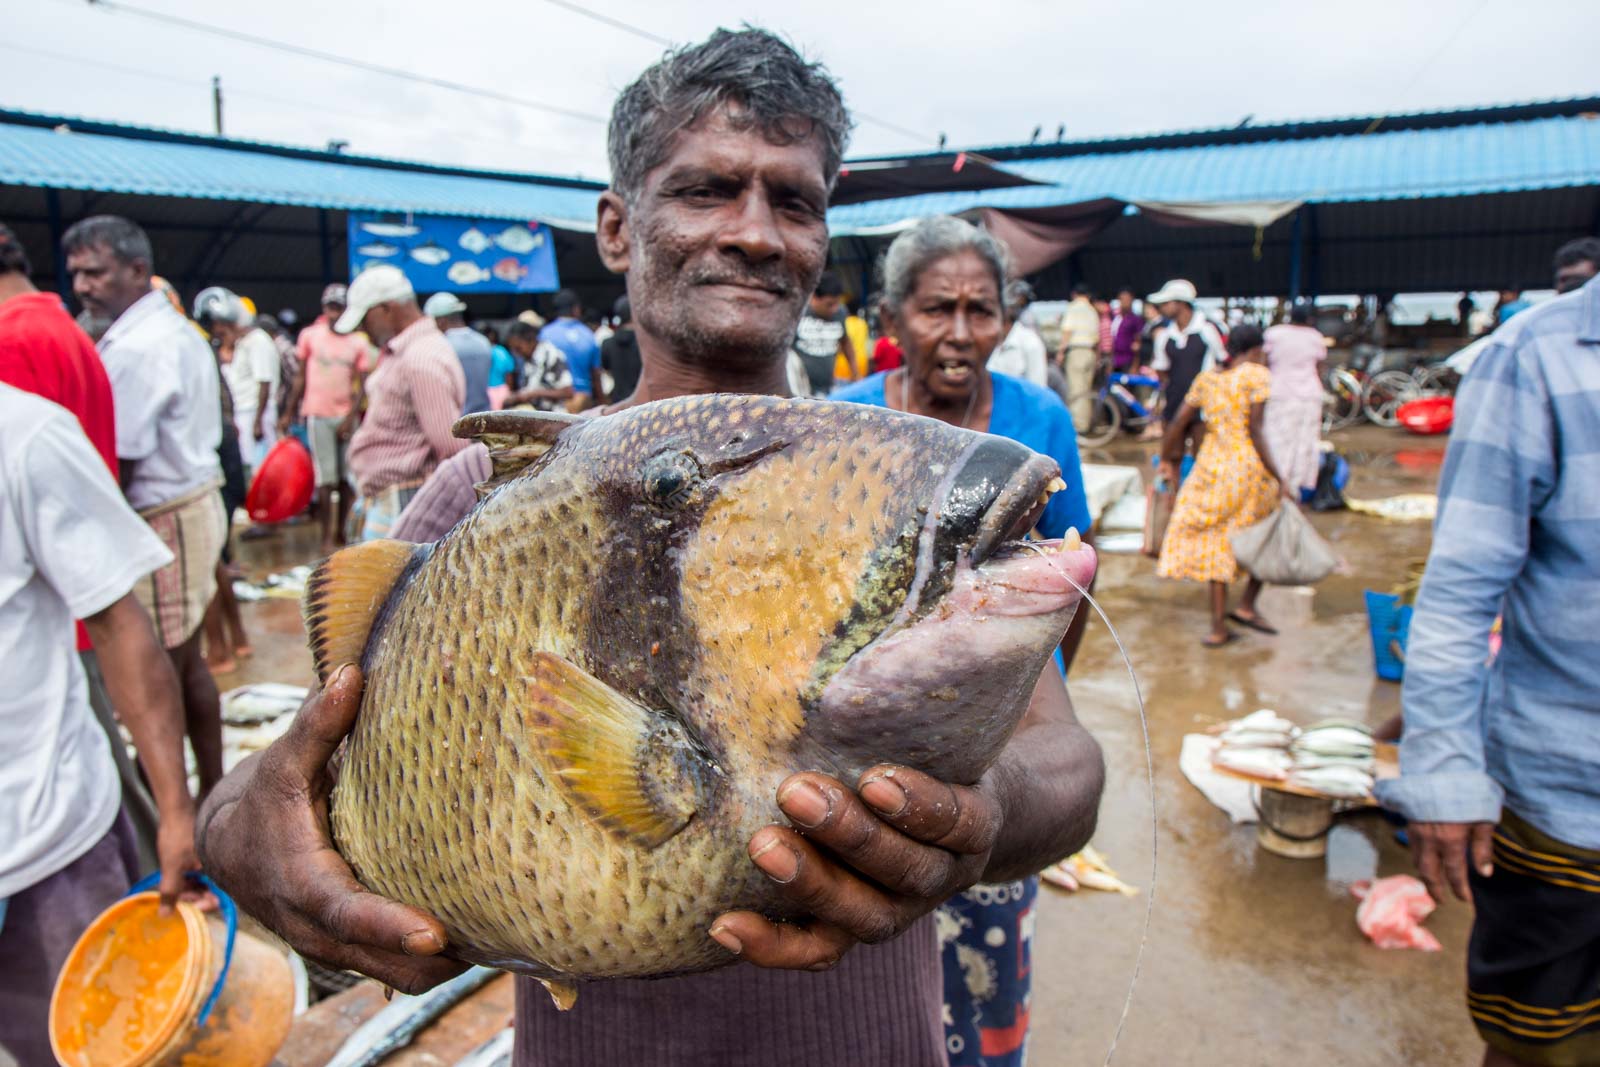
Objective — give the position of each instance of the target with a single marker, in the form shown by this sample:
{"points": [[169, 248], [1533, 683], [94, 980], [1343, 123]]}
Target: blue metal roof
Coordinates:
{"points": [[70, 154], [1464, 160]]}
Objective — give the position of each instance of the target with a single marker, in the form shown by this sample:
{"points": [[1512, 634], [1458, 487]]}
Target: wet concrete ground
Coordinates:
{"points": [[1251, 959]]}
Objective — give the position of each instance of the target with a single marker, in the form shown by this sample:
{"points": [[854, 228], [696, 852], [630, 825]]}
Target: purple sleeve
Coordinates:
{"points": [[445, 498]]}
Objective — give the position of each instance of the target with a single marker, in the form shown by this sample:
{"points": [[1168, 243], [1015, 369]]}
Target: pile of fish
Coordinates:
{"points": [[581, 701], [1087, 869], [1333, 758]]}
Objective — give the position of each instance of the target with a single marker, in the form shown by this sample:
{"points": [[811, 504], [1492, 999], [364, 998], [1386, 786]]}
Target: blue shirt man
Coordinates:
{"points": [[472, 348], [1516, 742], [577, 343]]}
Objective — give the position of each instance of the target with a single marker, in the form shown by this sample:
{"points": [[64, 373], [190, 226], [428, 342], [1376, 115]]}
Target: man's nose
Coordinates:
{"points": [[754, 231], [80, 286]]}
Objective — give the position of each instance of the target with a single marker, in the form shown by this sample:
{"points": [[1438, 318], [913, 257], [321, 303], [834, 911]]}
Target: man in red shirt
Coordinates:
{"points": [[43, 351]]}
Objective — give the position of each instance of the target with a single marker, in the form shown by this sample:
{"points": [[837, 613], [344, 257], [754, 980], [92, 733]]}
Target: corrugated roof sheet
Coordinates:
{"points": [[211, 169], [1547, 153]]}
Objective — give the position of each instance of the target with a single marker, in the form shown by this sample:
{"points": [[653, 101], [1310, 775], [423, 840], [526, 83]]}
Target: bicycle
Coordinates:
{"points": [[1117, 408]]}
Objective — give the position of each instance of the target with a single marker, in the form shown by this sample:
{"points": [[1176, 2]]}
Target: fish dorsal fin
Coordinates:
{"points": [[343, 597], [514, 438], [626, 767]]}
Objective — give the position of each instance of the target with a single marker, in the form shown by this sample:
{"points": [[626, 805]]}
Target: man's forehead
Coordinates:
{"points": [[725, 142]]}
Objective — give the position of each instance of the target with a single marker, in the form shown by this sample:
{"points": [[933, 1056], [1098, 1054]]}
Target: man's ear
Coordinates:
{"points": [[611, 233]]}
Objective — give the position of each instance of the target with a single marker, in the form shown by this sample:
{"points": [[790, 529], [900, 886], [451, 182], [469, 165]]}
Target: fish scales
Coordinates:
{"points": [[581, 701]]}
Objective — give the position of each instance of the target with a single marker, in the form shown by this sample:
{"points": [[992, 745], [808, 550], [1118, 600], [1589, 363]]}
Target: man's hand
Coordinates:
{"points": [[264, 838], [283, 425], [347, 428], [1441, 852], [176, 858], [864, 866], [258, 431]]}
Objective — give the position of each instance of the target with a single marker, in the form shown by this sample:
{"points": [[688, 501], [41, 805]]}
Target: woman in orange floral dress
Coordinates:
{"points": [[1233, 485]]}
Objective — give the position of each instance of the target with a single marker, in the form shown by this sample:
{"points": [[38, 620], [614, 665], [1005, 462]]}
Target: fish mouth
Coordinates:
{"points": [[1016, 507]]}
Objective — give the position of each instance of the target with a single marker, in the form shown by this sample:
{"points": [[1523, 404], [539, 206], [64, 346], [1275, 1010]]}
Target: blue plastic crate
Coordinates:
{"points": [[1390, 624]]}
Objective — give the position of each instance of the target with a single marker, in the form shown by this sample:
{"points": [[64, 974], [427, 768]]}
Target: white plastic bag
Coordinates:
{"points": [[1284, 549]]}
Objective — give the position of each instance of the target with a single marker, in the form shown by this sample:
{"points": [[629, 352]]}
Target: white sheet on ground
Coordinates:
{"points": [[1231, 795]]}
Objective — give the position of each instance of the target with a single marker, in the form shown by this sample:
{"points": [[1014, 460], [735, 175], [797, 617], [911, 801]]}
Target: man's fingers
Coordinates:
{"points": [[814, 946], [1483, 848], [350, 914], [322, 723], [951, 817], [1454, 850], [408, 974], [819, 886], [1427, 859], [834, 817]]}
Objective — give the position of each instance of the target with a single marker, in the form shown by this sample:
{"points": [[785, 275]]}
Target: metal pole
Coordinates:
{"points": [[1296, 251], [1314, 268], [52, 203], [325, 240], [216, 102]]}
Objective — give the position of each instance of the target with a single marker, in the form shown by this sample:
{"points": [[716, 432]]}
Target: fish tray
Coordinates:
{"points": [[1386, 764]]}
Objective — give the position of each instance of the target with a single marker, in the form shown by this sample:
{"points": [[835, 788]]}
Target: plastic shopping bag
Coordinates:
{"points": [[1284, 549], [1158, 503]]}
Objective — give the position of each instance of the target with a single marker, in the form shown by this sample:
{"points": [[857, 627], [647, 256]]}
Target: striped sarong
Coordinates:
{"points": [[194, 527]]}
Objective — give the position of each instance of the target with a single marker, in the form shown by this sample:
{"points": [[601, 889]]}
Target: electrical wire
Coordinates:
{"points": [[655, 38], [116, 6], [288, 104]]}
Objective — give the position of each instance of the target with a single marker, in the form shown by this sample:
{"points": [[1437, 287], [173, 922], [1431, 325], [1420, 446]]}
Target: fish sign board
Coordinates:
{"points": [[459, 255]]}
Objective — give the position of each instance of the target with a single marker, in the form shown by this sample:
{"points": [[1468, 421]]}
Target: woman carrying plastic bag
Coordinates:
{"points": [[1234, 484]]}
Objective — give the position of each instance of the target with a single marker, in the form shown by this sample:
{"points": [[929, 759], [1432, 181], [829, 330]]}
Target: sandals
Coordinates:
{"points": [[1228, 640], [1255, 622]]}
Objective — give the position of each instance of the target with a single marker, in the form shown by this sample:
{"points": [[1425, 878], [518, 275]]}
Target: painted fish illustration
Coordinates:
{"points": [[580, 702], [378, 250], [475, 241], [463, 273], [510, 270], [518, 239], [391, 229], [430, 254]]}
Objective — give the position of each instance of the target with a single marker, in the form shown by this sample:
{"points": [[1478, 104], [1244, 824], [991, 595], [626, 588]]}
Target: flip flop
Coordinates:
{"points": [[1230, 639], [1256, 624]]}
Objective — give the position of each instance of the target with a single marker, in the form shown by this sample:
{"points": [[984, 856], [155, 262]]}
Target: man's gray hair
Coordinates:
{"points": [[124, 238], [768, 85], [934, 238]]}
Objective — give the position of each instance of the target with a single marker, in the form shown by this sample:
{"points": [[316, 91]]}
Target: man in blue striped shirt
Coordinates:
{"points": [[1500, 763]]}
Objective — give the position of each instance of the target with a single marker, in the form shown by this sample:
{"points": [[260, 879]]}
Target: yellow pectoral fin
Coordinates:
{"points": [[632, 770], [343, 598]]}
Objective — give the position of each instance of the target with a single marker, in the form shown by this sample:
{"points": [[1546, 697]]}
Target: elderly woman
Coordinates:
{"points": [[942, 286], [1295, 351]]}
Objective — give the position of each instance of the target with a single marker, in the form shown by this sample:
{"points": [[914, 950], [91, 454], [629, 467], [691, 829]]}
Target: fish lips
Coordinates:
{"points": [[996, 496]]}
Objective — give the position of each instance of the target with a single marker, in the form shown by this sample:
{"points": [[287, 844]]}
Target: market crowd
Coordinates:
{"points": [[124, 460]]}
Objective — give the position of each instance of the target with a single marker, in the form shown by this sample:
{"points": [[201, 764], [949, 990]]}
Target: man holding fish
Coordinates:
{"points": [[723, 156]]}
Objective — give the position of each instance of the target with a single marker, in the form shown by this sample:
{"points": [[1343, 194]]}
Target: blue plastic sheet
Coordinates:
{"points": [[459, 255]]}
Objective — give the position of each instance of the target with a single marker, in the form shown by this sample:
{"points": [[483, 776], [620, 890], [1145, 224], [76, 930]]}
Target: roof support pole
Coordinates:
{"points": [[52, 204], [325, 242], [1296, 253], [1313, 267]]}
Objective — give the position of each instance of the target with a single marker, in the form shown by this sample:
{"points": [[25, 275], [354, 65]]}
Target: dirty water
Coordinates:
{"points": [[1252, 959]]}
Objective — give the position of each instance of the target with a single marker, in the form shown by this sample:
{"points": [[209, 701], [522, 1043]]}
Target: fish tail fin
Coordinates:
{"points": [[628, 768], [344, 595]]}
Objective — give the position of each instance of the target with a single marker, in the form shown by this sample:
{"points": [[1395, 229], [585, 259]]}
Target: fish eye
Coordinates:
{"points": [[669, 478]]}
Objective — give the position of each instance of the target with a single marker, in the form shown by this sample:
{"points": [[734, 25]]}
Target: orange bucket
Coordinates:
{"points": [[184, 990]]}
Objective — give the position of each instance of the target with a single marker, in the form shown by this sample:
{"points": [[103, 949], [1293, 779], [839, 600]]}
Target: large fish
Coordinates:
{"points": [[580, 701]]}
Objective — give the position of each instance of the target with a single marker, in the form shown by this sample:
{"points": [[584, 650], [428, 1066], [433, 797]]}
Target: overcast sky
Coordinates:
{"points": [[980, 71]]}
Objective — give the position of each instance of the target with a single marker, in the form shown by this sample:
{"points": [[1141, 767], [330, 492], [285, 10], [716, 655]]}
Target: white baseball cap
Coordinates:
{"points": [[442, 304], [1177, 289], [376, 285]]}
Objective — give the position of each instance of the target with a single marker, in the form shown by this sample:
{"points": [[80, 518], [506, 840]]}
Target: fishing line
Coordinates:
{"points": [[1150, 773]]}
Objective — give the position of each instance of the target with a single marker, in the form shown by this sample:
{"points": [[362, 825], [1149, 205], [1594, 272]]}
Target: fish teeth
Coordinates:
{"points": [[1056, 485], [1072, 542]]}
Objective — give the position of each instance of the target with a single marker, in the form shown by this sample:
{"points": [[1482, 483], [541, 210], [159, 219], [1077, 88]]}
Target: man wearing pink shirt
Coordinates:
{"points": [[331, 369], [413, 397]]}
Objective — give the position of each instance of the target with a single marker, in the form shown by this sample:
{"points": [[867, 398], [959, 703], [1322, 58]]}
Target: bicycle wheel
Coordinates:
{"points": [[1105, 420], [1437, 379], [1386, 391], [1341, 401]]}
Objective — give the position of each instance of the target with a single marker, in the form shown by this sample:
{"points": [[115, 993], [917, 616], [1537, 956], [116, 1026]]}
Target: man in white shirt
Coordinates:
{"points": [[252, 374], [166, 390], [1022, 354], [1186, 343], [1079, 352], [70, 547]]}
